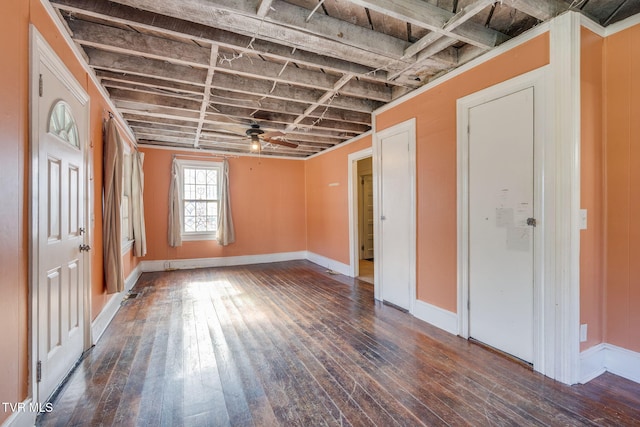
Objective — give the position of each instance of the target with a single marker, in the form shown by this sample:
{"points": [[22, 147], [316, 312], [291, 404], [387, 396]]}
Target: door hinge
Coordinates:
{"points": [[532, 222], [38, 371], [40, 86]]}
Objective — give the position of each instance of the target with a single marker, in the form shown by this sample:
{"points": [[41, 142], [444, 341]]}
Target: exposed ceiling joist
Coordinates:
{"points": [[198, 73]]}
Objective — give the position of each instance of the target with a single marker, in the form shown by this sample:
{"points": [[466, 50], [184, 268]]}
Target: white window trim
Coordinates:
{"points": [[206, 164], [127, 242]]}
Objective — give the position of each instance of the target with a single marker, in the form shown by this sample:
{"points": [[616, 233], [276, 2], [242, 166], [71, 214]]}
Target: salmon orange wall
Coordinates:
{"points": [[328, 206], [622, 187], [591, 188], [14, 175], [435, 113], [267, 200], [14, 131]]}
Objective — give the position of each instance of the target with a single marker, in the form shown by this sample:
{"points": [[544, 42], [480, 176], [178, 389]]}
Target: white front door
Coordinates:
{"points": [[397, 238], [59, 216], [501, 244]]}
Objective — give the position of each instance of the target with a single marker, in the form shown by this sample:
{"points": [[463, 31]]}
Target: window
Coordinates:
{"points": [[125, 215], [199, 195]]}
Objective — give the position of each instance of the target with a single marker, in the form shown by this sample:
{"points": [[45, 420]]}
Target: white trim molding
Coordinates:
{"points": [[436, 316], [565, 102], [609, 358], [544, 166], [408, 126], [329, 263]]}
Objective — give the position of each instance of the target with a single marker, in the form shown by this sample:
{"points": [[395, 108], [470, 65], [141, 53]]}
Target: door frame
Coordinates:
{"points": [[41, 51], [354, 254], [410, 127], [544, 327]]}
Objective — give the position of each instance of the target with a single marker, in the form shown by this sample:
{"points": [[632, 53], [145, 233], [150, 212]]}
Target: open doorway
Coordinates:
{"points": [[365, 219], [361, 214]]}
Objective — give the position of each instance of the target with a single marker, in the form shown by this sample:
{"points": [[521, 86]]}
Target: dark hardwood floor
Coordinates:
{"points": [[289, 344]]}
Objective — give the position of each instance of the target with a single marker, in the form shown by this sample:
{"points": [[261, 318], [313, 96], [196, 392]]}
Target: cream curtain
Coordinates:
{"points": [[112, 193], [225, 233], [137, 205], [175, 209]]}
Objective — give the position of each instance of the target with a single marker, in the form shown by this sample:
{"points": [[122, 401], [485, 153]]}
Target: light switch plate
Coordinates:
{"points": [[583, 219]]}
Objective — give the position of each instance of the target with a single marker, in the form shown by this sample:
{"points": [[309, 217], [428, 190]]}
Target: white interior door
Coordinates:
{"points": [[501, 196], [59, 288], [397, 238]]}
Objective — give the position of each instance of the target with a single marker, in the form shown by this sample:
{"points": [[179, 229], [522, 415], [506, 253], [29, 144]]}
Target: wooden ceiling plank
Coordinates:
{"points": [[324, 98], [263, 8], [152, 99], [213, 59], [118, 84], [425, 14], [540, 9], [131, 42], [174, 27], [285, 25], [145, 67], [155, 48], [162, 85]]}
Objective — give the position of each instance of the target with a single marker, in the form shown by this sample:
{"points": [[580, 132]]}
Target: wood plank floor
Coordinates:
{"points": [[289, 344]]}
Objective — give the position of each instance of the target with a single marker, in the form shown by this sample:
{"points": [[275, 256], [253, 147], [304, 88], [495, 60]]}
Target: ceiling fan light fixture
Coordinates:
{"points": [[255, 143]]}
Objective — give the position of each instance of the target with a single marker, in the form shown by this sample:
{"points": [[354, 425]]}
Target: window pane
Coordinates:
{"points": [[200, 194]]}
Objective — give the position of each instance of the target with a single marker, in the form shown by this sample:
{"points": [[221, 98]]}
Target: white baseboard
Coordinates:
{"points": [[23, 416], [330, 264], [623, 362], [111, 308], [609, 358], [592, 363], [187, 264], [436, 316]]}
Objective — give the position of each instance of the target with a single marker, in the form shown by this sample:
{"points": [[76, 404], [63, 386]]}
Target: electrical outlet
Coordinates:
{"points": [[583, 332]]}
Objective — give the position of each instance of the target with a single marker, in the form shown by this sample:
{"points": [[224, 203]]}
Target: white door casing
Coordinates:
{"points": [[501, 241], [543, 307], [59, 208], [395, 245]]}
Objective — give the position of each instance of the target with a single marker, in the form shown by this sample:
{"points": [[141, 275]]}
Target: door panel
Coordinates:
{"points": [[59, 288], [396, 219], [501, 189]]}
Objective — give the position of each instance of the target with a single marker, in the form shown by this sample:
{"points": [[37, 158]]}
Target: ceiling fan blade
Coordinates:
{"points": [[273, 134], [280, 142]]}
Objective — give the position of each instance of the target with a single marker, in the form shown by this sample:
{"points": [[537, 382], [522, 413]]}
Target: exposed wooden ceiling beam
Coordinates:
{"points": [[540, 9], [174, 27], [286, 24], [323, 99], [455, 21], [129, 43], [427, 15], [213, 59], [261, 89], [263, 8]]}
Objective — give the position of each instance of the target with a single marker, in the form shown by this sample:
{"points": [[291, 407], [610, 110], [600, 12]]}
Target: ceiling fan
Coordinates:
{"points": [[272, 137]]}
